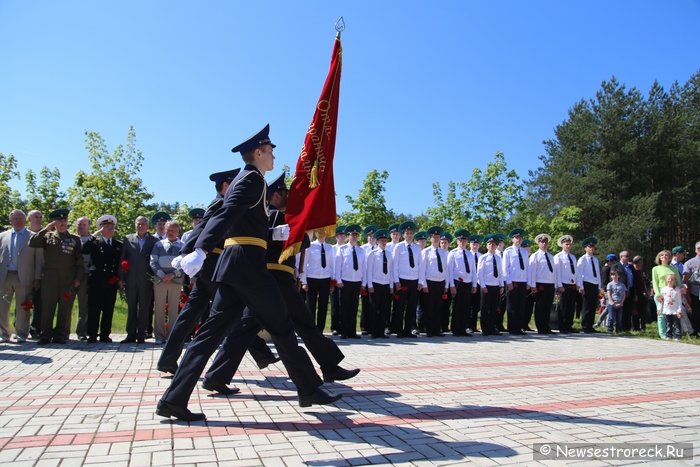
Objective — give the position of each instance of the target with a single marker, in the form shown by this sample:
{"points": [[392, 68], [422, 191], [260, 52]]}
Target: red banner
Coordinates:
{"points": [[311, 199]]}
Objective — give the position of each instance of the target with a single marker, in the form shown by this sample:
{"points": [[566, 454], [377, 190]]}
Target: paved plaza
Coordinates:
{"points": [[446, 401]]}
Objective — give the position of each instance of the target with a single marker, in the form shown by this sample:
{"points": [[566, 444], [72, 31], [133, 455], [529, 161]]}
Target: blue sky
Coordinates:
{"points": [[430, 90]]}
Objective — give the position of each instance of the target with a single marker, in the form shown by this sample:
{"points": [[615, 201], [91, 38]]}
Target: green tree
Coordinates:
{"points": [[44, 194], [369, 207], [485, 203], [9, 198], [112, 186]]}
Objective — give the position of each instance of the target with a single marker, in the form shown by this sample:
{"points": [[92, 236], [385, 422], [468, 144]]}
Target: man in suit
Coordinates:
{"points": [[135, 270], [20, 272], [62, 276], [105, 254]]}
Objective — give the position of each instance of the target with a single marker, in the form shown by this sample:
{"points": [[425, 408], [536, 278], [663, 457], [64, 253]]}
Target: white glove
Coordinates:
{"points": [[281, 232], [176, 262], [192, 263]]}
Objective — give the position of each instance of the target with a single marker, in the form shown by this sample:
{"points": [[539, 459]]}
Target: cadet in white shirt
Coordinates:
{"points": [[380, 284], [544, 280], [340, 240], [367, 311], [565, 264], [515, 274], [475, 303], [490, 278], [407, 261], [319, 260], [350, 278], [461, 269], [433, 281], [589, 274]]}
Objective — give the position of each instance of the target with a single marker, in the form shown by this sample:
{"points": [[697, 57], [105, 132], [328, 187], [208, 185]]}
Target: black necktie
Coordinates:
{"points": [[549, 264], [410, 256], [520, 258], [323, 257], [466, 262], [571, 263], [354, 259], [593, 267], [476, 259], [495, 266], [384, 264], [437, 253]]}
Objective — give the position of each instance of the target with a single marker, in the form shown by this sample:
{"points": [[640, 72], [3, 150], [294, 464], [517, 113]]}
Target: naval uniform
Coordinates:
{"points": [[103, 283], [63, 265], [243, 280]]}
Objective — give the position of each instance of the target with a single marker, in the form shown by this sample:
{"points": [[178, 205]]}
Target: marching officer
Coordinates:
{"points": [[105, 255], [63, 275]]}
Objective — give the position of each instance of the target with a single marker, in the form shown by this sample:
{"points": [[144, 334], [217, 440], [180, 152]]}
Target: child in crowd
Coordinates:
{"points": [[616, 297], [671, 300]]}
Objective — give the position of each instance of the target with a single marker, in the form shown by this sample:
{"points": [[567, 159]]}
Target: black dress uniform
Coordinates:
{"points": [[243, 280], [103, 282], [196, 308], [323, 349]]}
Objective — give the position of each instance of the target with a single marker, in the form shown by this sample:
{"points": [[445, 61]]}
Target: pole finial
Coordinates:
{"points": [[340, 26]]}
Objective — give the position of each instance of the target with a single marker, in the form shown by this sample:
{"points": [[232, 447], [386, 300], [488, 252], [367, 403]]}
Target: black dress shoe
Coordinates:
{"points": [[141, 340], [339, 374], [83, 338], [59, 340], [221, 388], [105, 339], [166, 409], [262, 364], [128, 340], [44, 341], [91, 340], [167, 369], [319, 397]]}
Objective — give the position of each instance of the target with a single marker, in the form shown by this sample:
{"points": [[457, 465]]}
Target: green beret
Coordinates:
{"points": [[370, 229], [526, 242], [160, 216], [381, 233], [435, 230], [515, 232], [475, 238], [446, 236], [491, 238], [353, 228], [422, 235], [340, 230], [393, 228], [462, 234]]}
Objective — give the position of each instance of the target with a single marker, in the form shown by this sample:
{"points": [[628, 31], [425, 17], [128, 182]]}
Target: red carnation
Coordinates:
{"points": [[67, 295], [363, 292], [397, 297], [404, 288], [444, 296], [113, 280], [540, 287], [27, 305], [334, 282], [125, 265], [166, 307]]}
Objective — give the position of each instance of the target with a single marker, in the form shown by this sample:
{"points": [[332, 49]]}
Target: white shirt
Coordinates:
{"points": [[402, 267], [312, 262], [586, 263], [344, 269], [539, 269], [429, 266], [484, 272], [375, 269], [512, 271], [562, 263], [457, 268]]}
